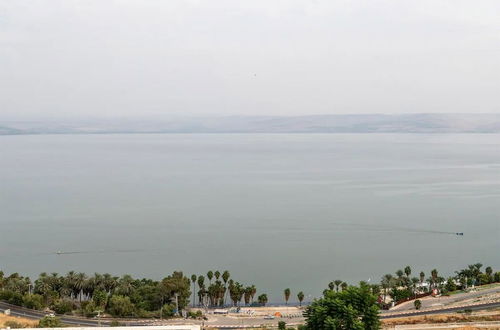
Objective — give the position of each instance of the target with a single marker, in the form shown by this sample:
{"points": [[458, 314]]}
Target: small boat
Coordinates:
{"points": [[460, 234]]}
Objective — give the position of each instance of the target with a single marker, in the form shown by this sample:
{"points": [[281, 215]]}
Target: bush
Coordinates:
{"points": [[89, 309], [11, 297], [63, 307], [115, 323], [13, 325], [450, 285], [33, 301], [120, 306], [417, 304], [195, 315], [50, 322], [398, 295], [281, 325]]}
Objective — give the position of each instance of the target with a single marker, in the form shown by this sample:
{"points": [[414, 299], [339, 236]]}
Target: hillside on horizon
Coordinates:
{"points": [[360, 123]]}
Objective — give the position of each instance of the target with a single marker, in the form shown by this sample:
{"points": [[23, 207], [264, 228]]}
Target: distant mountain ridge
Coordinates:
{"points": [[375, 123]]}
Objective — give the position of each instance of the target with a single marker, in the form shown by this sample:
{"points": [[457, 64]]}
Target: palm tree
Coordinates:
{"points": [[387, 283], [225, 278], [254, 291], [193, 280], [201, 288], [262, 299], [422, 277], [331, 286], [337, 283], [407, 271], [343, 286], [434, 276], [287, 295], [217, 274], [414, 282], [247, 294], [210, 275], [300, 297]]}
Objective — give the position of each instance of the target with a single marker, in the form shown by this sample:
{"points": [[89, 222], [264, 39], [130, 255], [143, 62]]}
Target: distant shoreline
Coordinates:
{"points": [[313, 124]]}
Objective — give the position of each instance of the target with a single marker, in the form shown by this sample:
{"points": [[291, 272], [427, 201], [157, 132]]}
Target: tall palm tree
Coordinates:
{"points": [[217, 274], [210, 275], [287, 295], [300, 297], [331, 286], [434, 277], [343, 285], [193, 280], [422, 277], [337, 284], [225, 278], [408, 271], [201, 288], [254, 291], [247, 294]]}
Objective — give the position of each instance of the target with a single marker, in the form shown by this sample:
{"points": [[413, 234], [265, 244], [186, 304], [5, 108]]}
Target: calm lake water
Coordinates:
{"points": [[276, 210]]}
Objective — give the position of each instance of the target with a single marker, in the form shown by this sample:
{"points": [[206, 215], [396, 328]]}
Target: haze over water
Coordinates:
{"points": [[276, 210]]}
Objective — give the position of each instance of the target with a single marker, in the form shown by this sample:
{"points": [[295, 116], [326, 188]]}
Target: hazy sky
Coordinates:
{"points": [[151, 57]]}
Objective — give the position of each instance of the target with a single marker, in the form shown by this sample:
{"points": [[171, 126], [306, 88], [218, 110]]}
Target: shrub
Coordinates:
{"points": [[11, 297], [417, 304], [50, 322], [120, 306], [33, 301], [13, 325], [63, 307]]}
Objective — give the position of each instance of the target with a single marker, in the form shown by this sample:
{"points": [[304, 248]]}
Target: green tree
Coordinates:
{"points": [[450, 285], [353, 309], [337, 284], [33, 301], [50, 322], [210, 275], [262, 299], [282, 325], [417, 304], [300, 297], [193, 280], [408, 271], [287, 295], [120, 306], [100, 298], [422, 277]]}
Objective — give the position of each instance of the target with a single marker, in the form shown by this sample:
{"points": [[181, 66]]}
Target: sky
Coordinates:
{"points": [[133, 58]]}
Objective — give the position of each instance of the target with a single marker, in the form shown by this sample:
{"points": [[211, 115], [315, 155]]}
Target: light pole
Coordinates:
{"points": [[98, 318]]}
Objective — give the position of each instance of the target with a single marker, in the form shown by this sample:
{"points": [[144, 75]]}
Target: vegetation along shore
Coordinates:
{"points": [[107, 295]]}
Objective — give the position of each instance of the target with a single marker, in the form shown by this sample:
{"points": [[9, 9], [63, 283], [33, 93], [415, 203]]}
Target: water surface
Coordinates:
{"points": [[277, 210]]}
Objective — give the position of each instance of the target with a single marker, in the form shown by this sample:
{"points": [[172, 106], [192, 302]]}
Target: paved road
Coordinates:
{"points": [[431, 302], [224, 322]]}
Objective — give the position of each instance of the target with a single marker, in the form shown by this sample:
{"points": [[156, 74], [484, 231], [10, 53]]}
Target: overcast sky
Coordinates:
{"points": [[146, 57]]}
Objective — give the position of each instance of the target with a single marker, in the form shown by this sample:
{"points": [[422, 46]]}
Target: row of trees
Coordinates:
{"points": [[123, 296], [222, 289], [403, 285]]}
